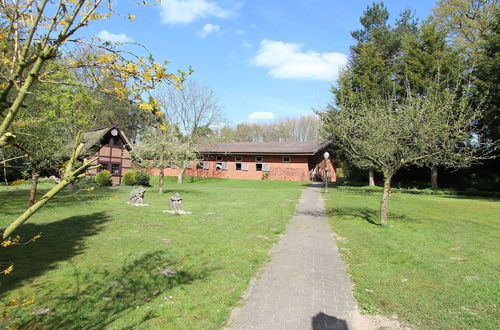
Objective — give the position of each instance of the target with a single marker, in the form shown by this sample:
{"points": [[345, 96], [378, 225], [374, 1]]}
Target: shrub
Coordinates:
{"points": [[130, 178], [85, 183], [103, 178], [143, 178]]}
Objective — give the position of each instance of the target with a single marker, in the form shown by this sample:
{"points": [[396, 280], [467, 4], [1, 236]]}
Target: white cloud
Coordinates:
{"points": [[108, 36], [255, 116], [246, 44], [207, 29], [288, 61], [187, 11], [240, 31]]}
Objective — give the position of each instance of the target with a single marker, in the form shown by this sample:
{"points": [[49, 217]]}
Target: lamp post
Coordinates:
{"points": [[326, 156]]}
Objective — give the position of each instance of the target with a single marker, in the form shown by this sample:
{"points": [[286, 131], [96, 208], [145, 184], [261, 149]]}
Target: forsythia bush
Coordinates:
{"points": [[130, 178], [103, 178]]}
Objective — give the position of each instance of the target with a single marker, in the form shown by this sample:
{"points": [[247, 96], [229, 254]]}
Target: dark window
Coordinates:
{"points": [[287, 159], [115, 169], [218, 166], [238, 166], [116, 141], [104, 166], [199, 165], [218, 158], [238, 158], [258, 167], [259, 158]]}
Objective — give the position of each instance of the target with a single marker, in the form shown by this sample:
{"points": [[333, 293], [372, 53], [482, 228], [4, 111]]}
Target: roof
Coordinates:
{"points": [[93, 137], [281, 148]]}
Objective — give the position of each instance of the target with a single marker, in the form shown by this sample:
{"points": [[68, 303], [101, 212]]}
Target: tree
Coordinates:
{"points": [[34, 32], [465, 21], [373, 58], [471, 27], [192, 109], [415, 130], [160, 148], [424, 56], [300, 129]]}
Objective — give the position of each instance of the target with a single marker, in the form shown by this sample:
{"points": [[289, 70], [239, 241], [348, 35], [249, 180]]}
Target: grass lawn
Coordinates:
{"points": [[436, 266], [99, 261]]}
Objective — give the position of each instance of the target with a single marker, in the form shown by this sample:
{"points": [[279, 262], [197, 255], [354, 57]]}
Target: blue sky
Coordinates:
{"points": [[265, 59]]}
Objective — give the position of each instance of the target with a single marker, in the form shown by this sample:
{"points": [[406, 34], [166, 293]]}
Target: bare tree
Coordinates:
{"points": [[300, 129], [192, 109], [387, 135]]}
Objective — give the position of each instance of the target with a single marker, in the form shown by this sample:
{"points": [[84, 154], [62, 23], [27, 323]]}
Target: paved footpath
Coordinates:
{"points": [[305, 285]]}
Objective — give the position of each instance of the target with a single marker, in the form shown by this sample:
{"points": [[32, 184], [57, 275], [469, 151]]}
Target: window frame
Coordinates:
{"points": [[238, 159], [286, 161], [118, 171], [257, 159], [257, 169], [103, 166]]}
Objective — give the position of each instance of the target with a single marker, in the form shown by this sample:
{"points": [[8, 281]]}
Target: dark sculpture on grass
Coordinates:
{"points": [[137, 197]]}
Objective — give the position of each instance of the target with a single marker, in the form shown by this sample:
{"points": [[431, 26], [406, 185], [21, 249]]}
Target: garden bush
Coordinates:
{"points": [[85, 183], [130, 178], [103, 178], [143, 178]]}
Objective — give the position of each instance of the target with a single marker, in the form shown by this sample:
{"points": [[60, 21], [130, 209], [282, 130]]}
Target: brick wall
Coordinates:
{"points": [[300, 168]]}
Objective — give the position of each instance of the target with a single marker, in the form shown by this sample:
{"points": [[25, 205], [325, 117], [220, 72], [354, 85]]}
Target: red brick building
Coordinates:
{"points": [[112, 148], [292, 161]]}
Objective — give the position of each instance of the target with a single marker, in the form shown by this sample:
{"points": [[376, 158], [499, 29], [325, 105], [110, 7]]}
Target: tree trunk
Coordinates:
{"points": [[385, 199], [34, 186], [434, 177], [180, 175], [160, 185], [5, 173], [371, 177]]}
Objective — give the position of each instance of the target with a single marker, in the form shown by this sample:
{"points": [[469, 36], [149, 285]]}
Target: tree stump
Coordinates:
{"points": [[175, 205]]}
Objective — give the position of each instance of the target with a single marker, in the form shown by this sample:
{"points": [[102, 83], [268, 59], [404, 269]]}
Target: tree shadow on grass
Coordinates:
{"points": [[99, 299], [61, 240], [366, 214]]}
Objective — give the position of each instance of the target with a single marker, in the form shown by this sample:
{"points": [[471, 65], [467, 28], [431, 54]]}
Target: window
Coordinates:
{"points": [[104, 166], [218, 158], [259, 158], [115, 169], [262, 167], [116, 141], [199, 157], [238, 166], [224, 166], [287, 159], [238, 158]]}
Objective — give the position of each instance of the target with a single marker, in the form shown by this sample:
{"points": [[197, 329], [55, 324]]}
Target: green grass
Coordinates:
{"points": [[436, 266], [99, 260]]}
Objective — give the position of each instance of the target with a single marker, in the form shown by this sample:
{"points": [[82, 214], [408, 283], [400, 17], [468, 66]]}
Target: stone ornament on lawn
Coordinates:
{"points": [[137, 197], [175, 205]]}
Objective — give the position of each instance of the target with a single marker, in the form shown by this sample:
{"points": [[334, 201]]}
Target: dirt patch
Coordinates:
{"points": [[339, 238], [369, 322], [264, 237]]}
